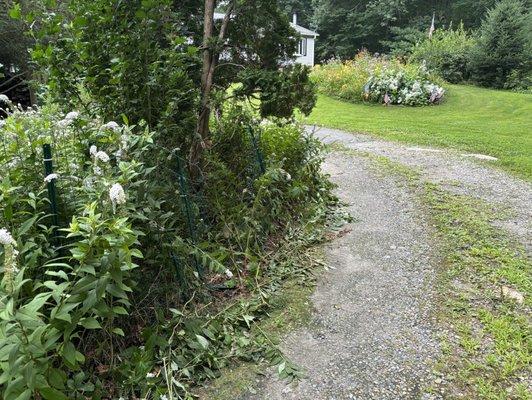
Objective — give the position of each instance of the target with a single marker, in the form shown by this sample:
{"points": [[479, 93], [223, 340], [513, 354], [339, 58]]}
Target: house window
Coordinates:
{"points": [[302, 48]]}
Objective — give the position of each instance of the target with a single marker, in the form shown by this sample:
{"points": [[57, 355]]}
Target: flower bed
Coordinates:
{"points": [[378, 80]]}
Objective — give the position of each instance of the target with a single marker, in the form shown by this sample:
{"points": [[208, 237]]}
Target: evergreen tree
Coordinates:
{"points": [[347, 26], [504, 44]]}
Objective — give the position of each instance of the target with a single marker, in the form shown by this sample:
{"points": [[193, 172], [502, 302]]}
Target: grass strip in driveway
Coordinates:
{"points": [[488, 343]]}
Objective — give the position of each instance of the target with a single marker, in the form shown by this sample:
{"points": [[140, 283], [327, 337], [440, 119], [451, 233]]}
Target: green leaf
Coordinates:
{"points": [[248, 319], [15, 12], [90, 323], [281, 367], [49, 393], [26, 225], [69, 353], [118, 331], [202, 341], [120, 310], [36, 304]]}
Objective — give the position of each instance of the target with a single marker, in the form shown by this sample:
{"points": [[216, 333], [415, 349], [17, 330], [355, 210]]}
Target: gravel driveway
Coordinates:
{"points": [[371, 335], [458, 172]]}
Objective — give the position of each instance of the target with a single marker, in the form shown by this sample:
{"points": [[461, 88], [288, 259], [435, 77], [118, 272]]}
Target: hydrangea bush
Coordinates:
{"points": [[395, 86], [380, 80]]}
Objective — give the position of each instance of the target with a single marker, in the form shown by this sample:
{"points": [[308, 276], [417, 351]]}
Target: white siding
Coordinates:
{"points": [[307, 59]]}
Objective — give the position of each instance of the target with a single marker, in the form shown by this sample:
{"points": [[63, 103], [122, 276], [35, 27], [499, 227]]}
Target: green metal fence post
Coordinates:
{"points": [[258, 152], [185, 196], [50, 185]]}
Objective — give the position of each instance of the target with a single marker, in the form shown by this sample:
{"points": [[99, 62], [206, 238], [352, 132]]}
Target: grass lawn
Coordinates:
{"points": [[492, 122]]}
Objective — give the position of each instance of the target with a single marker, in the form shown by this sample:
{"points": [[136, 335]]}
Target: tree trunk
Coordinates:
{"points": [[202, 127], [207, 76]]}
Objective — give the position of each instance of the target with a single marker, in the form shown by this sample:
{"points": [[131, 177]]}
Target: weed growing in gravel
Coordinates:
{"points": [[489, 334]]}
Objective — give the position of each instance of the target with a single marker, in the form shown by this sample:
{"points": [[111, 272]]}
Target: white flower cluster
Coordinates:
{"points": [[6, 238], [394, 87], [69, 118], [117, 195], [4, 99], [98, 155], [111, 125], [50, 178], [10, 258]]}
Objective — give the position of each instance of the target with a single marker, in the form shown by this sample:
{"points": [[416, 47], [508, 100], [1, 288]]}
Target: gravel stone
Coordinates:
{"points": [[372, 334]]}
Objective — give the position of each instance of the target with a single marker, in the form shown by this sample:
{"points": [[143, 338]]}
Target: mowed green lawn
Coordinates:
{"points": [[492, 122]]}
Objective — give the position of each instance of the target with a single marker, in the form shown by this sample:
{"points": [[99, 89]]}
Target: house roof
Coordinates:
{"points": [[302, 31]]}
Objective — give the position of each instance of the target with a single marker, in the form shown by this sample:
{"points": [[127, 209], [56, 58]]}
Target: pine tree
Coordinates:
{"points": [[503, 47]]}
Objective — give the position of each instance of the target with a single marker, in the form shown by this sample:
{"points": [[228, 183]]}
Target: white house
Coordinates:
{"points": [[305, 49]]}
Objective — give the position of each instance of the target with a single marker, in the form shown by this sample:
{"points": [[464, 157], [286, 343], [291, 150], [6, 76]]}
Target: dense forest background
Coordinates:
{"points": [[346, 26]]}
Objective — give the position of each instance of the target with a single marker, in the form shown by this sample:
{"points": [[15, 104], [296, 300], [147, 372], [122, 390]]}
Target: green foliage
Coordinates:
{"points": [[504, 49], [66, 298], [124, 58], [377, 79], [279, 92], [122, 325], [346, 27], [53, 298], [447, 53], [403, 40]]}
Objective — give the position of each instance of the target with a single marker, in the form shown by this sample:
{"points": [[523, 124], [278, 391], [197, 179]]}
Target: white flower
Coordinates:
{"points": [[4, 99], [102, 156], [50, 178], [118, 154], [93, 150], [123, 142], [150, 375], [2, 123], [6, 238], [111, 125], [97, 170], [72, 115], [117, 194], [163, 397], [228, 273]]}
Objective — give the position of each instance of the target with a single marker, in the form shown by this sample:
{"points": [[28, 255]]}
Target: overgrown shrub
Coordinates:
{"points": [[447, 53], [379, 80], [503, 55], [124, 248], [62, 282]]}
